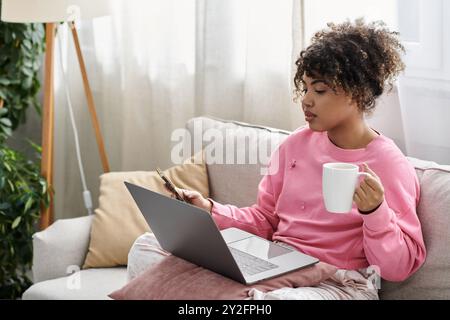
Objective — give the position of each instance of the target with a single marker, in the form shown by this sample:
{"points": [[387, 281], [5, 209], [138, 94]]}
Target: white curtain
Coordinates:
{"points": [[155, 64], [425, 86]]}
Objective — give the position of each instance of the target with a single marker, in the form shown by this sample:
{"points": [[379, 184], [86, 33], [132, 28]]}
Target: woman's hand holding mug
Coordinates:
{"points": [[370, 193]]}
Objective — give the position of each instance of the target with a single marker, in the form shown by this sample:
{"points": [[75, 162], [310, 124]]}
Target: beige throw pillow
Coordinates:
{"points": [[118, 222]]}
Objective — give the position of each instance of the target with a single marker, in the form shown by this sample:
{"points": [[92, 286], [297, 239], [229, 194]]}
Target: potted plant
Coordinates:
{"points": [[21, 49], [23, 191]]}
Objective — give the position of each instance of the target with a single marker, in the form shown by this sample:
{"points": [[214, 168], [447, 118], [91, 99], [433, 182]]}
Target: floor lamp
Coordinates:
{"points": [[52, 12]]}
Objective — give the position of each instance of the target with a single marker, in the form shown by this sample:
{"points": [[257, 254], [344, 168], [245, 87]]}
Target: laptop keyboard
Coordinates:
{"points": [[249, 264]]}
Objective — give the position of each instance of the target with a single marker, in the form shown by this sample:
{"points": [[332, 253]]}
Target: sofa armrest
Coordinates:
{"points": [[60, 249]]}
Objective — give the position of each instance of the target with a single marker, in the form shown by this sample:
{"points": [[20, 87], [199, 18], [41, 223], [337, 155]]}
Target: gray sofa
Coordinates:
{"points": [[61, 249]]}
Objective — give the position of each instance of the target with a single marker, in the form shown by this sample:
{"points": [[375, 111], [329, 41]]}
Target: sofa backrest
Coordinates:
{"points": [[432, 280], [232, 183], [237, 184]]}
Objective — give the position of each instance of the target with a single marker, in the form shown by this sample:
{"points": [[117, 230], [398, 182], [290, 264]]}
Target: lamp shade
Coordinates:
{"points": [[31, 11]]}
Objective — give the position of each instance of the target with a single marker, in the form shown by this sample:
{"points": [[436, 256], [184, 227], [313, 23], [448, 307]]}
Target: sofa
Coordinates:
{"points": [[60, 250]]}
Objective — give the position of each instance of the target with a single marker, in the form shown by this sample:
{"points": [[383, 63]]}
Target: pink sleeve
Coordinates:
{"points": [[393, 238], [260, 218]]}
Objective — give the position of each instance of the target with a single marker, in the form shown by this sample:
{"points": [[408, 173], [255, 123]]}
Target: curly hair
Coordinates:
{"points": [[357, 57]]}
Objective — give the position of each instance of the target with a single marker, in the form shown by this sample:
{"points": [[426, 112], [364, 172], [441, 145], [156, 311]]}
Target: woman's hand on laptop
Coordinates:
{"points": [[193, 197]]}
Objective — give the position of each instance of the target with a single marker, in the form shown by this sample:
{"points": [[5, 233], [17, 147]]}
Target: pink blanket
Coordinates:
{"points": [[177, 279]]}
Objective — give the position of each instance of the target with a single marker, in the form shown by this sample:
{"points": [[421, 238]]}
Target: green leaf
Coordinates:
{"points": [[4, 81], [16, 222], [36, 65], [27, 83], [7, 167], [7, 131], [28, 204], [6, 122], [35, 146], [28, 64], [27, 72], [11, 186], [27, 44], [44, 187]]}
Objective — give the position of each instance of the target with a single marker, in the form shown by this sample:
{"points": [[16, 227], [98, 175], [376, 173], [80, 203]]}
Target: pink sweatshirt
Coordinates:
{"points": [[290, 207]]}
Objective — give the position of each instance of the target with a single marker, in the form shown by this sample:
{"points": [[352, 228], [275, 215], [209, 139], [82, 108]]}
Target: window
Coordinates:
{"points": [[424, 30], [421, 24]]}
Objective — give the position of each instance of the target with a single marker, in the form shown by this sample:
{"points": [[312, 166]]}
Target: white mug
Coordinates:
{"points": [[339, 181]]}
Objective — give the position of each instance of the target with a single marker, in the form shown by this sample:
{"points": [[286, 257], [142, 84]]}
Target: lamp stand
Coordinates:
{"points": [[47, 214], [47, 122], [90, 100]]}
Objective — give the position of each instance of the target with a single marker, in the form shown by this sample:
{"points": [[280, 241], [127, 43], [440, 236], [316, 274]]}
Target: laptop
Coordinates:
{"points": [[190, 233]]}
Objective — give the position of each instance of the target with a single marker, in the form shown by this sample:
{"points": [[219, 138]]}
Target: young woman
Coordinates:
{"points": [[339, 77]]}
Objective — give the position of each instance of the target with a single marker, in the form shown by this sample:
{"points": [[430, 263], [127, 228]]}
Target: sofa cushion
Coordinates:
{"points": [[61, 246], [232, 181], [118, 222], [91, 284], [432, 280]]}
